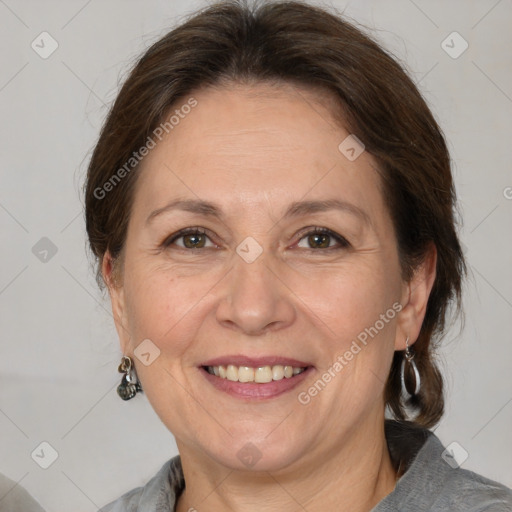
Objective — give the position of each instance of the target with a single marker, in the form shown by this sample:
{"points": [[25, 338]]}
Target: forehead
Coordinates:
{"points": [[257, 144]]}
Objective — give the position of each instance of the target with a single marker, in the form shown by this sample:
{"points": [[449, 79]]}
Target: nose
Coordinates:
{"points": [[255, 299]]}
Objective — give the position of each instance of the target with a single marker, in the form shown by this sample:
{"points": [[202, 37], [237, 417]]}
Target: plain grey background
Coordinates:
{"points": [[59, 349]]}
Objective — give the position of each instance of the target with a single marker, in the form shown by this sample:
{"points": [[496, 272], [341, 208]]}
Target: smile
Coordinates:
{"points": [[261, 374], [255, 378]]}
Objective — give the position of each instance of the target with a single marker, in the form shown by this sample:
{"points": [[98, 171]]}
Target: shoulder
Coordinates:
{"points": [[157, 495], [14, 498], [447, 486], [128, 502], [434, 481], [464, 490]]}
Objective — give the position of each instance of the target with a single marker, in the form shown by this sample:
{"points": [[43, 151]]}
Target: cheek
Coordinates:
{"points": [[356, 314], [156, 302], [350, 299], [169, 307]]}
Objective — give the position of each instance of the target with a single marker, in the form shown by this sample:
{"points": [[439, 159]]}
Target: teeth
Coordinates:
{"points": [[277, 372], [262, 374], [245, 374], [232, 372]]}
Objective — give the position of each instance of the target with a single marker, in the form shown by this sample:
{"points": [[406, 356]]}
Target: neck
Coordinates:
{"points": [[353, 477]]}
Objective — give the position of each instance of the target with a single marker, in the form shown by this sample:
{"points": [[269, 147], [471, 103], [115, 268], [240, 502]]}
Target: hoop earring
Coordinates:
{"points": [[130, 385], [409, 357]]}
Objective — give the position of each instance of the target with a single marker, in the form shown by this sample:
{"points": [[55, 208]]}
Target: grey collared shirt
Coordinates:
{"points": [[432, 481], [14, 498]]}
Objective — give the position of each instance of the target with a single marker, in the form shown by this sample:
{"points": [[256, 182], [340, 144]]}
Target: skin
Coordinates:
{"points": [[253, 150]]}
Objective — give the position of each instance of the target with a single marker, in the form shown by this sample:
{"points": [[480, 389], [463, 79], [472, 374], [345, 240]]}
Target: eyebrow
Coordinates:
{"points": [[296, 209]]}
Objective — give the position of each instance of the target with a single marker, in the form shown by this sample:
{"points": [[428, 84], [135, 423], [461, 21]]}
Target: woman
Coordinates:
{"points": [[272, 208]]}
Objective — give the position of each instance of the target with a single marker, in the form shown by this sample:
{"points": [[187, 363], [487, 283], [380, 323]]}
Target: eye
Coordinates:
{"points": [[192, 238], [321, 238], [317, 238]]}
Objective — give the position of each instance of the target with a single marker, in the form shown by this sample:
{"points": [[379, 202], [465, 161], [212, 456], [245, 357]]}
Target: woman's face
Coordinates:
{"points": [[257, 170]]}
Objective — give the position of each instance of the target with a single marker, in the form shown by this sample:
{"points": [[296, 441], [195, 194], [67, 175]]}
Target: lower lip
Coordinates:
{"points": [[256, 391]]}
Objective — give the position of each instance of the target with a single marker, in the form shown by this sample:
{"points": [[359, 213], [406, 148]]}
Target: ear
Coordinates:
{"points": [[414, 300], [112, 279]]}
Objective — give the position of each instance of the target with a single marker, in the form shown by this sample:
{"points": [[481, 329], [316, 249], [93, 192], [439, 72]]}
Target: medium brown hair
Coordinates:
{"points": [[293, 42]]}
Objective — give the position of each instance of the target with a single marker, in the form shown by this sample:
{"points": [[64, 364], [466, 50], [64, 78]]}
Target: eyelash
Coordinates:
{"points": [[343, 242]]}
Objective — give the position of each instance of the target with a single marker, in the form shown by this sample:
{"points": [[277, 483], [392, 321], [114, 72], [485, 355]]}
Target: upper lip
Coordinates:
{"points": [[255, 362]]}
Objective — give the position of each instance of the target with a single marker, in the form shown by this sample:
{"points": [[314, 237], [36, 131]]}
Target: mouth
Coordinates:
{"points": [[261, 378], [260, 374]]}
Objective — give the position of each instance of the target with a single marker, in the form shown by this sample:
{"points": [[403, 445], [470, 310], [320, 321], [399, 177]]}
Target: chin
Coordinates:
{"points": [[242, 454]]}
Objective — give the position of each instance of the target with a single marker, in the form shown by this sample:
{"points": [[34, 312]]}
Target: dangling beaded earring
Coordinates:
{"points": [[409, 358], [130, 385]]}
